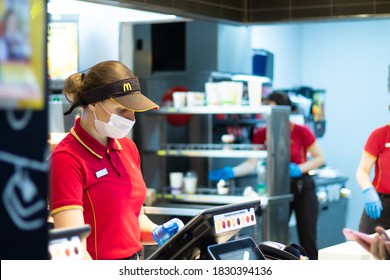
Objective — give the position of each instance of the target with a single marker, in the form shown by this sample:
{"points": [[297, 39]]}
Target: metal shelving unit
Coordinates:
{"points": [[156, 150], [207, 110]]}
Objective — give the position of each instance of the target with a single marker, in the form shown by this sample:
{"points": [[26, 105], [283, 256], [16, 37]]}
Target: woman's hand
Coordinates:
{"points": [[380, 245]]}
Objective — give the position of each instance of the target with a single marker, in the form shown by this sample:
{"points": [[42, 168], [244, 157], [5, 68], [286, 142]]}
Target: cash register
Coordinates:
{"points": [[212, 226]]}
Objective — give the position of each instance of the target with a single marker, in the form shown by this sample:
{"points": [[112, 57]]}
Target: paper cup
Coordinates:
{"points": [[226, 91], [212, 94], [231, 92], [238, 88], [179, 99], [190, 184], [254, 93], [176, 181], [195, 98]]}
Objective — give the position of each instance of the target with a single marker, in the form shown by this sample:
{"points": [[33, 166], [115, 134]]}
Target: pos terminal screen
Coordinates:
{"points": [[240, 249], [211, 226]]}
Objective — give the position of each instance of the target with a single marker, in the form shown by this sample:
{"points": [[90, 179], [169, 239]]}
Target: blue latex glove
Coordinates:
{"points": [[164, 232], [295, 171], [373, 205], [225, 173]]}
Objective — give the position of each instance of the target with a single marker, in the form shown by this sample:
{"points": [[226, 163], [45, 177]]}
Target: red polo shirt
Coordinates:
{"points": [[301, 138], [378, 146], [107, 184]]}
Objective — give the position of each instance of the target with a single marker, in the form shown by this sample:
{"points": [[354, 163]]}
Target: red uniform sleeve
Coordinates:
{"points": [[66, 181], [375, 142], [308, 137]]}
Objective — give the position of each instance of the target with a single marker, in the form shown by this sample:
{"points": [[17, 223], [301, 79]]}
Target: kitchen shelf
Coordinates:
{"points": [[244, 121], [221, 109], [214, 150], [162, 141]]}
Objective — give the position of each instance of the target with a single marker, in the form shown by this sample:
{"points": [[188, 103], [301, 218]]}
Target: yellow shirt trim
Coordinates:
{"points": [[368, 154], [118, 144], [82, 143], [68, 207], [94, 224]]}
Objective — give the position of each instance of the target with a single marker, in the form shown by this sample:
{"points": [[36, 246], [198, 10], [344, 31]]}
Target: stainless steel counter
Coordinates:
{"points": [[192, 204]]}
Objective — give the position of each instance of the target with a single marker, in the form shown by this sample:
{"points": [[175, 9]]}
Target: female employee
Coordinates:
{"points": [[305, 202], [95, 171], [376, 193]]}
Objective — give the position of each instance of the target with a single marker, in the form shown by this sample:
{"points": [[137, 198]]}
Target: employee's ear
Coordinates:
{"points": [[92, 107]]}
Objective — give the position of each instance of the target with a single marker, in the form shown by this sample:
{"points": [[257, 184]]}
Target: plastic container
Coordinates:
{"points": [[261, 184], [190, 182]]}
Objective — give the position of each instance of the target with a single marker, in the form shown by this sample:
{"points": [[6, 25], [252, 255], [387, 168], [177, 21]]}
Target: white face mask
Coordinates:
{"points": [[117, 127]]}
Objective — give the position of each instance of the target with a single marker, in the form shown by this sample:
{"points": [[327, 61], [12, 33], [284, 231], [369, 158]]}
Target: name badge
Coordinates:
{"points": [[101, 173], [387, 145]]}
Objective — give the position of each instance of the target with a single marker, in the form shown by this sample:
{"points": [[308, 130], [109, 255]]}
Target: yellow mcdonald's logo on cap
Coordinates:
{"points": [[127, 87]]}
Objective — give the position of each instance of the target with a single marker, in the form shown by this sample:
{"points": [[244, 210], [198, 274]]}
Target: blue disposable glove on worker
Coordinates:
{"points": [[164, 232], [225, 173], [295, 171], [373, 205]]}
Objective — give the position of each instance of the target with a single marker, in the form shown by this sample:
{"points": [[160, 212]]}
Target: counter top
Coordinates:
{"points": [[225, 109]]}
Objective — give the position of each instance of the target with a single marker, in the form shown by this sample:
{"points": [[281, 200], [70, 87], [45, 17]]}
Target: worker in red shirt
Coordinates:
{"points": [[376, 193], [305, 202], [95, 170]]}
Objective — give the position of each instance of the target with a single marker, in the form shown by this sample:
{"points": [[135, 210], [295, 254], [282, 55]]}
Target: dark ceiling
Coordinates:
{"points": [[261, 11]]}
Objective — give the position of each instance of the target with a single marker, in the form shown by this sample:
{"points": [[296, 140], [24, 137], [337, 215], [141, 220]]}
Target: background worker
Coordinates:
{"points": [[376, 193], [305, 202]]}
